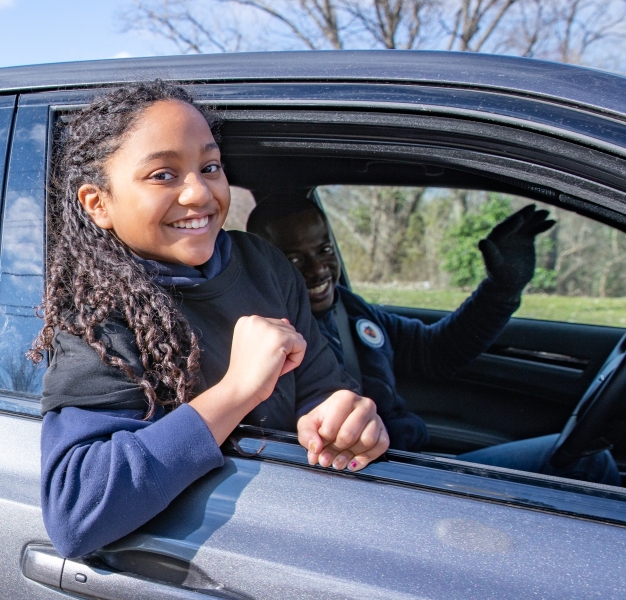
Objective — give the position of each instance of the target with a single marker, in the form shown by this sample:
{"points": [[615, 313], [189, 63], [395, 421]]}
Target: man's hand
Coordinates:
{"points": [[344, 430], [509, 249]]}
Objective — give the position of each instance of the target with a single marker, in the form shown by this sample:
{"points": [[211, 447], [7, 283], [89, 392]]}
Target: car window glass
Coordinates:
{"points": [[241, 205], [6, 115], [22, 253], [417, 247]]}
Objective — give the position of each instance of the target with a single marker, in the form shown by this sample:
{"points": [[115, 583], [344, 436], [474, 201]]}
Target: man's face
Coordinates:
{"points": [[304, 240]]}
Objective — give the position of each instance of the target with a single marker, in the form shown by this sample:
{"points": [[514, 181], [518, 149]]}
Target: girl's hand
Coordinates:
{"points": [[344, 430], [262, 350]]}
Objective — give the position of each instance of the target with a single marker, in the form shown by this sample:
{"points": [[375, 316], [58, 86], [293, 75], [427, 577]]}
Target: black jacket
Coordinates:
{"points": [[389, 345]]}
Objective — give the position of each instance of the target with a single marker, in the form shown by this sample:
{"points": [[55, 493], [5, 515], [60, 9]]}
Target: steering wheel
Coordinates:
{"points": [[582, 434]]}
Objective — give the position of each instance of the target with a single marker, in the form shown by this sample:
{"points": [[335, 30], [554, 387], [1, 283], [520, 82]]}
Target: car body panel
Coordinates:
{"points": [[262, 529], [564, 83], [20, 508], [287, 540], [7, 107]]}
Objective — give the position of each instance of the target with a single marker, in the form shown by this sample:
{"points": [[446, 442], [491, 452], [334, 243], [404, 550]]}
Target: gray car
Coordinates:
{"points": [[343, 127]]}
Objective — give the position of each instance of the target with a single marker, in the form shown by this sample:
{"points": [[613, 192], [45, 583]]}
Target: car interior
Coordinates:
{"points": [[531, 380]]}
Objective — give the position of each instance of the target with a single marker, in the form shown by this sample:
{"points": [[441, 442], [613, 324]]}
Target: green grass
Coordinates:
{"points": [[596, 311]]}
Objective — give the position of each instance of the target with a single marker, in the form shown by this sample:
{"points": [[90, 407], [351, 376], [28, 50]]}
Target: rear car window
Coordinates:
{"points": [[22, 253], [241, 204]]}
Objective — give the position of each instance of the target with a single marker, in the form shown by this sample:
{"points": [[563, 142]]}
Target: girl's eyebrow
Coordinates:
{"points": [[173, 154]]}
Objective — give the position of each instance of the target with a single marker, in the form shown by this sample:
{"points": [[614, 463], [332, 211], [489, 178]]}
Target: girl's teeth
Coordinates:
{"points": [[191, 223]]}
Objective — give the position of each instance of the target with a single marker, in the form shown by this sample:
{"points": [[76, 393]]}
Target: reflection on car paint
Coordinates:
{"points": [[21, 265]]}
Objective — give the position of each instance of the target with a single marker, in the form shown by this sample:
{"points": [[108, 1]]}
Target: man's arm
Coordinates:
{"points": [[441, 349]]}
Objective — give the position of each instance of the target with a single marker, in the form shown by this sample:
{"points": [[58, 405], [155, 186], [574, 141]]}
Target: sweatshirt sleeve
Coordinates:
{"points": [[441, 349], [107, 472]]}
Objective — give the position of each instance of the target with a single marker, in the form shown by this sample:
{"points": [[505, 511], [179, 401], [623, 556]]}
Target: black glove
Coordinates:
{"points": [[509, 249]]}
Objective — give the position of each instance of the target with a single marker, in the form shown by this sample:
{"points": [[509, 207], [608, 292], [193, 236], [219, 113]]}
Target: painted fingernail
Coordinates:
{"points": [[313, 447], [353, 465], [326, 458]]}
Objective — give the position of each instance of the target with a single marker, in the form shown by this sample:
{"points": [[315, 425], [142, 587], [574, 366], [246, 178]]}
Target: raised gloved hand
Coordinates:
{"points": [[509, 249]]}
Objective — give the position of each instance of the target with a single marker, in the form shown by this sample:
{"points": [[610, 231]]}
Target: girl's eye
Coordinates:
{"points": [[327, 250], [214, 168], [294, 260], [162, 176]]}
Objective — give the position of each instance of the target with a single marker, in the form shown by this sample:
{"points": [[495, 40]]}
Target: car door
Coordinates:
{"points": [[530, 380], [268, 525]]}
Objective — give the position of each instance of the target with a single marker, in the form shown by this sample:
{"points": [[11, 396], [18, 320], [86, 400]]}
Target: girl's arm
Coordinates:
{"points": [[107, 472], [343, 431], [262, 350]]}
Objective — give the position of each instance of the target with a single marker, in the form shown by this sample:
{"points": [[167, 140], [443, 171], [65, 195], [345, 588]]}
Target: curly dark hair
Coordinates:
{"points": [[92, 274]]}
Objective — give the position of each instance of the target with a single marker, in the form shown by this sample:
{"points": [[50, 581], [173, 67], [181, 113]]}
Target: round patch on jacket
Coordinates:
{"points": [[370, 333]]}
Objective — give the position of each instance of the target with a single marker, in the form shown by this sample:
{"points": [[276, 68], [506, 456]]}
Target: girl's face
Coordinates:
{"points": [[168, 196]]}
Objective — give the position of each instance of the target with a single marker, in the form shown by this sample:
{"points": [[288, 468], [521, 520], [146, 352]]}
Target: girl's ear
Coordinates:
{"points": [[94, 201]]}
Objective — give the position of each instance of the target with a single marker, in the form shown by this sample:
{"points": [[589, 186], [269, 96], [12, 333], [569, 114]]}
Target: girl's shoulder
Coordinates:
{"points": [[77, 376], [254, 249]]}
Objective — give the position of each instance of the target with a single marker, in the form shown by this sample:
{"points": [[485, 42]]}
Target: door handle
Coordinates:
{"points": [[43, 564]]}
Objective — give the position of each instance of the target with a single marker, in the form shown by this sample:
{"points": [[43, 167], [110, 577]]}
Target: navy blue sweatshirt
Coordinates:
{"points": [[389, 345], [105, 471]]}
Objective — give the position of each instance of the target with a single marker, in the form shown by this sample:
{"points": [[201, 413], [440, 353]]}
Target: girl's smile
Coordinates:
{"points": [[193, 223], [167, 195]]}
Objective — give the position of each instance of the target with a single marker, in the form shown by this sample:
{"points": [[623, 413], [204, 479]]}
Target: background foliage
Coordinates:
{"points": [[429, 237]]}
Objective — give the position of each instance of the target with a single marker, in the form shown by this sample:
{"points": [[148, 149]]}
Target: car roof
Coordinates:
{"points": [[579, 86]]}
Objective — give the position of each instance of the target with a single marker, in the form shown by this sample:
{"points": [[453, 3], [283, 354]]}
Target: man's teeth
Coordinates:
{"points": [[319, 289], [191, 223]]}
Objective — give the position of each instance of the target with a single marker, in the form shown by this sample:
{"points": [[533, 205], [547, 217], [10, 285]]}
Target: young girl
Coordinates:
{"points": [[151, 306]]}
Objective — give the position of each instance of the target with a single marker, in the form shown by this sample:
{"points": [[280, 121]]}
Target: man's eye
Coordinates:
{"points": [[294, 260], [328, 250], [162, 176], [211, 168]]}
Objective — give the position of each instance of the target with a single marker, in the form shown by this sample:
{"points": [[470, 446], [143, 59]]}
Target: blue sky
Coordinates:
{"points": [[40, 31]]}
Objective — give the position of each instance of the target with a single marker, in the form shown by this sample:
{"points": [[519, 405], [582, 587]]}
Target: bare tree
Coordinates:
{"points": [[589, 32], [191, 26], [376, 220], [391, 213], [313, 22], [202, 26], [571, 31], [20, 374], [391, 24], [475, 22]]}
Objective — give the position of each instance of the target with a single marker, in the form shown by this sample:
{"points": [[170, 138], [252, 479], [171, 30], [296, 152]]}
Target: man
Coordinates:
{"points": [[384, 345]]}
